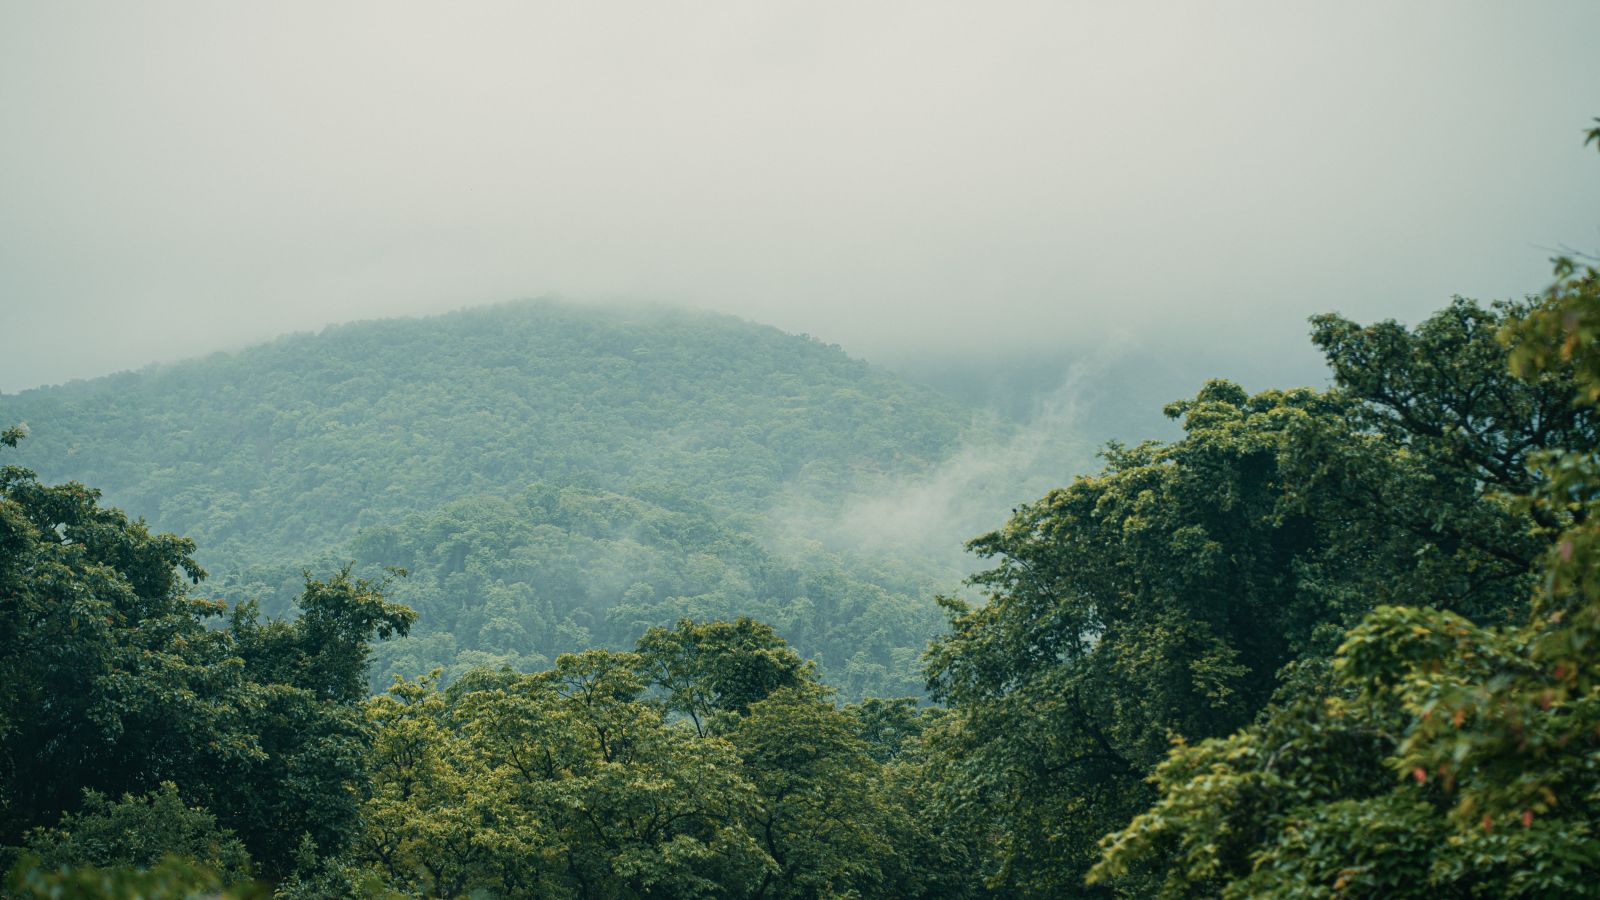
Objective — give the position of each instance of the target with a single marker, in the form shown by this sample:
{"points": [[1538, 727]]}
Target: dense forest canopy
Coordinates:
{"points": [[553, 477], [1323, 643], [285, 449]]}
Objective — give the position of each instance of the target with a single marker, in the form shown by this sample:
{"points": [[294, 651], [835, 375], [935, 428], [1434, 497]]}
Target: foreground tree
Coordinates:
{"points": [[1438, 756], [558, 784], [709, 671], [112, 682], [591, 780], [138, 833], [1161, 598]]}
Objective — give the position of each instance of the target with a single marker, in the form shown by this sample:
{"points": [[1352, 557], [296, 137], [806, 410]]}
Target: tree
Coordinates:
{"points": [[819, 814], [137, 833], [711, 669], [558, 784], [108, 671], [1161, 599], [111, 680], [1437, 755]]}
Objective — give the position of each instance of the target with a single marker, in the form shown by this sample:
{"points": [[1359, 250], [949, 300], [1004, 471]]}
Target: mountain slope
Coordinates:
{"points": [[316, 449], [295, 444]]}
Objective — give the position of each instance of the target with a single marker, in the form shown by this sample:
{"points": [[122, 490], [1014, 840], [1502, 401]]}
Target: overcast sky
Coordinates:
{"points": [[905, 179]]}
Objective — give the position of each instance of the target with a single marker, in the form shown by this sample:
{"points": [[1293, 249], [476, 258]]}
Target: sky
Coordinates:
{"points": [[918, 181]]}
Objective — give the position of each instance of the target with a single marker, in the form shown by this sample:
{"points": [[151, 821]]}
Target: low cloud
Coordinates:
{"points": [[931, 515]]}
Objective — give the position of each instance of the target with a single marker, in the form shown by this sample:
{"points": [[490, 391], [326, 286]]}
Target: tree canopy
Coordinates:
{"points": [[1325, 643]]}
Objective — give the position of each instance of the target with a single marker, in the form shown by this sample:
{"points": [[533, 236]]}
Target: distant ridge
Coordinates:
{"points": [[294, 443], [392, 442]]}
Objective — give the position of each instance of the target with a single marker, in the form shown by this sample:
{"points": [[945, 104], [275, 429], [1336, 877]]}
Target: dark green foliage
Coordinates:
{"points": [[112, 682], [1445, 393], [109, 671], [137, 832], [1437, 755], [1161, 599], [712, 670], [324, 650]]}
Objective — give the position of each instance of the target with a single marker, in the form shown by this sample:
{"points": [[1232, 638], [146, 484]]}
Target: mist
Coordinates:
{"points": [[917, 182], [1002, 464]]}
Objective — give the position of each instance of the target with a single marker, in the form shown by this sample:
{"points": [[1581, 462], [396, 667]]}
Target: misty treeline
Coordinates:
{"points": [[553, 478], [1326, 643]]}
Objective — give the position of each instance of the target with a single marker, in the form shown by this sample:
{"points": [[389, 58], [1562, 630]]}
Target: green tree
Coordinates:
{"points": [[108, 672], [819, 814], [1161, 599], [137, 833], [558, 784], [1437, 756], [711, 669], [326, 648], [112, 681]]}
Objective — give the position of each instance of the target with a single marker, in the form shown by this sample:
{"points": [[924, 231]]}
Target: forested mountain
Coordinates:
{"points": [[1291, 653], [516, 581], [554, 477], [1322, 643], [267, 452]]}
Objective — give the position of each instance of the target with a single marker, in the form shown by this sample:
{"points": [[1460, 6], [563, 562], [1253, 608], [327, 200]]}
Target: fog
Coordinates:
{"points": [[930, 515], [927, 184]]}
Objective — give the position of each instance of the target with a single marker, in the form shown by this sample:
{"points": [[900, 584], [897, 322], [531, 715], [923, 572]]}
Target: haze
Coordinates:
{"points": [[915, 181]]}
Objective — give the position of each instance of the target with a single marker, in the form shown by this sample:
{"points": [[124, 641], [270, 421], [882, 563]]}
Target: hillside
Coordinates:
{"points": [[314, 450]]}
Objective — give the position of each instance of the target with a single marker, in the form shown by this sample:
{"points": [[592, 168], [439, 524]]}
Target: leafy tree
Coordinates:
{"points": [[137, 833], [936, 854], [113, 682], [709, 669], [108, 670], [559, 784], [1161, 599], [420, 825], [1438, 755], [1444, 393], [818, 814], [326, 648]]}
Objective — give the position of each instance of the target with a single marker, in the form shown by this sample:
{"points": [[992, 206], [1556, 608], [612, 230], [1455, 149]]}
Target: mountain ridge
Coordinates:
{"points": [[292, 454]]}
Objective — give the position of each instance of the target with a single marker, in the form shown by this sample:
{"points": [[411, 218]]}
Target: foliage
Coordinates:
{"points": [[708, 763], [713, 670], [1440, 756], [106, 667], [137, 832], [1289, 654], [891, 728], [292, 446], [572, 783], [555, 478], [113, 682], [1161, 598], [519, 580], [171, 878], [325, 650]]}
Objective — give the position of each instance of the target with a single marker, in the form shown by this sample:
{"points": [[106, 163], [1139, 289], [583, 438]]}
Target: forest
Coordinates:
{"points": [[496, 612], [552, 478]]}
